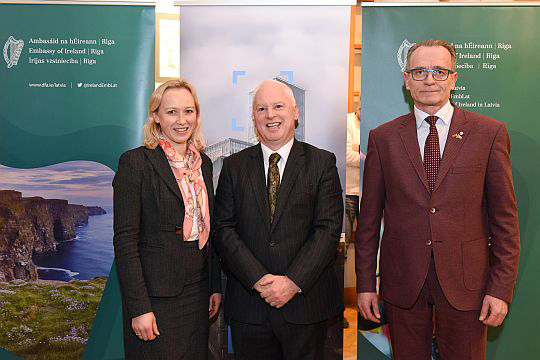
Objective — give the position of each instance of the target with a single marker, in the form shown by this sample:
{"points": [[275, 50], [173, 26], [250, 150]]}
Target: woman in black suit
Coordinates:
{"points": [[163, 200]]}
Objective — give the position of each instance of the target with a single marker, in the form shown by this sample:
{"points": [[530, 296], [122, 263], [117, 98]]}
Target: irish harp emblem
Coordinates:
{"points": [[402, 53], [12, 51]]}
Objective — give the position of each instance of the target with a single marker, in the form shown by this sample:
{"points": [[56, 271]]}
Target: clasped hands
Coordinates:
{"points": [[276, 290]]}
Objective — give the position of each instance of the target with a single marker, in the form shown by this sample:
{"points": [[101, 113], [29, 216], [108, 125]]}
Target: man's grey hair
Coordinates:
{"points": [[288, 92], [432, 43]]}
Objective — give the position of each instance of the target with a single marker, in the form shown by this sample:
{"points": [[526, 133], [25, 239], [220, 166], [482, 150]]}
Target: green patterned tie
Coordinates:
{"points": [[273, 183]]}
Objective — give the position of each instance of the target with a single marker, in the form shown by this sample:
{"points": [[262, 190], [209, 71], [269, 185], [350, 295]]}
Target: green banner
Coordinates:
{"points": [[75, 82], [497, 50]]}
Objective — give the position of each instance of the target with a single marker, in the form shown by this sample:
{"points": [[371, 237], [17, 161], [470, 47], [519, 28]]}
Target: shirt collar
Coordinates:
{"points": [[445, 114], [283, 151]]}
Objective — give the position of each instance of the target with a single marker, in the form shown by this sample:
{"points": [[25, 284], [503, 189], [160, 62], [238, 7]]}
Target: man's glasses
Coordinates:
{"points": [[420, 74]]}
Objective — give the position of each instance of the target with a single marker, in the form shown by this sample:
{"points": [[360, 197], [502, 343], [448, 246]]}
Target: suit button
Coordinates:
{"points": [[432, 210], [428, 242], [272, 243]]}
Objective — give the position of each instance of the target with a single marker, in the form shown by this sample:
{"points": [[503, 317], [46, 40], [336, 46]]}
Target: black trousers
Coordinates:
{"points": [[277, 339]]}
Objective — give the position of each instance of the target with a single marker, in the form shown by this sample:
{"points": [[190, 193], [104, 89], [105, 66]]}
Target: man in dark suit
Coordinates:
{"points": [[443, 179], [278, 215]]}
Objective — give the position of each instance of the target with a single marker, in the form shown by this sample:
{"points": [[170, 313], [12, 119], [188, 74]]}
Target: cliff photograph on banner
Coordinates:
{"points": [[56, 246]]}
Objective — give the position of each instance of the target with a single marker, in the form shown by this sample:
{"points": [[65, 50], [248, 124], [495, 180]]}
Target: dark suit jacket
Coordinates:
{"points": [[470, 220], [301, 242], [148, 220]]}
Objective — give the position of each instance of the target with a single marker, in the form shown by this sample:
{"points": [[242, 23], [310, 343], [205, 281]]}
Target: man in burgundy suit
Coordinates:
{"points": [[450, 250]]}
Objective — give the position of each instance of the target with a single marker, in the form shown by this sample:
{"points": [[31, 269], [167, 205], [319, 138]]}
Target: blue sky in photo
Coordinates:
{"points": [[80, 182]]}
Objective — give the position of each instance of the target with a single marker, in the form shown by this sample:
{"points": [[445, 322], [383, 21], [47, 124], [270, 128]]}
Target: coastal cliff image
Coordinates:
{"points": [[35, 225], [55, 256]]}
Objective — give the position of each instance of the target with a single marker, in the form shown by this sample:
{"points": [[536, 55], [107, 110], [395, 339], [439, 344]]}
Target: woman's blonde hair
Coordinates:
{"points": [[152, 130]]}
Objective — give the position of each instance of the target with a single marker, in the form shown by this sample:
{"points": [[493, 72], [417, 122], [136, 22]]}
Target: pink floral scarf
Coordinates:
{"points": [[187, 170]]}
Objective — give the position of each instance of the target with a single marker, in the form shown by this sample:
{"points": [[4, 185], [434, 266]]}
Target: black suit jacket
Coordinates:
{"points": [[148, 219], [301, 242]]}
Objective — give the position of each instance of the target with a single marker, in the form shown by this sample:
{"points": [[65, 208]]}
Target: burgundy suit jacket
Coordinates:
{"points": [[469, 222]]}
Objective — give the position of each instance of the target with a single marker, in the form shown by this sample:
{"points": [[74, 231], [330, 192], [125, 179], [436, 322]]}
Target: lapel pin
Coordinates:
{"points": [[458, 135]]}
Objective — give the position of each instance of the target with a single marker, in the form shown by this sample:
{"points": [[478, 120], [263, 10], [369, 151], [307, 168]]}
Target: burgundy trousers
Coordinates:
{"points": [[459, 334]]}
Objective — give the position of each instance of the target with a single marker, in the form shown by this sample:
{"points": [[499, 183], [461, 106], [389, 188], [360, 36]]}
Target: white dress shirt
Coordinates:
{"points": [[443, 126], [283, 152], [353, 158]]}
